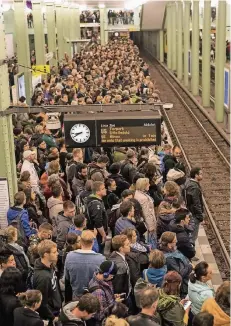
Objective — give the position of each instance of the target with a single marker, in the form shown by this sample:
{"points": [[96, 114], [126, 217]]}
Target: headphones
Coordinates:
{"points": [[106, 275]]}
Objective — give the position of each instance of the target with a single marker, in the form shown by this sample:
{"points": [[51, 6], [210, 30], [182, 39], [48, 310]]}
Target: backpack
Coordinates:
{"points": [[113, 216], [90, 172], [140, 285], [17, 223], [80, 206], [86, 207]]}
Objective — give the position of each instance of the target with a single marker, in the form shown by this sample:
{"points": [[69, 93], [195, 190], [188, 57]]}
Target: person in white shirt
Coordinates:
{"points": [[28, 165]]}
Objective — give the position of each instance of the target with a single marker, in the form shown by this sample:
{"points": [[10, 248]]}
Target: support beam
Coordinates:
{"points": [[206, 47], [161, 36], [179, 40], [173, 33], [7, 161], [66, 28], [186, 40], [39, 37], [220, 60], [195, 49], [102, 25], [169, 38], [22, 40], [51, 32], [59, 25]]}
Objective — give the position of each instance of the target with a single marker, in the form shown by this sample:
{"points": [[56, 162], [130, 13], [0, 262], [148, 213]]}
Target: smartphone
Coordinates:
{"points": [[187, 304]]}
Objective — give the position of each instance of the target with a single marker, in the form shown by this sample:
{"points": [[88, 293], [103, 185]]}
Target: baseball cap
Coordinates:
{"points": [[27, 154]]}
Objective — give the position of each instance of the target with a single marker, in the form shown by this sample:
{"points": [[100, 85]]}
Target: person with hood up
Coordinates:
{"points": [[76, 312], [219, 306], [45, 280], [101, 287], [170, 306], [63, 221], [198, 289], [183, 233], [157, 268]]}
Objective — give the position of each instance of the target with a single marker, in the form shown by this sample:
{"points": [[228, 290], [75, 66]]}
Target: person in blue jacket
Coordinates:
{"points": [[18, 216]]}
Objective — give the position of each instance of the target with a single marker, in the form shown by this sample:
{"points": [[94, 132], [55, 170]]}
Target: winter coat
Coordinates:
{"points": [[184, 244], [50, 141], [96, 173], [62, 225], [165, 216], [147, 208], [34, 179], [194, 201], [133, 261], [128, 171], [123, 223], [169, 161], [78, 185], [155, 275], [80, 266], [12, 215], [121, 281], [121, 183], [96, 213], [27, 317], [198, 292], [105, 294], [55, 207], [143, 319], [176, 261], [119, 156], [67, 318], [110, 199], [170, 309], [221, 318], [8, 302], [45, 280]]}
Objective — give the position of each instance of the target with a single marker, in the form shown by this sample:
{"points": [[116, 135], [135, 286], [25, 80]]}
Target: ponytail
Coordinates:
{"points": [[200, 270]]}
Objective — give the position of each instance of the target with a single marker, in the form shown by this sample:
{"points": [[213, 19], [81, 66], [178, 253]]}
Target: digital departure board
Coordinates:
{"points": [[126, 132]]}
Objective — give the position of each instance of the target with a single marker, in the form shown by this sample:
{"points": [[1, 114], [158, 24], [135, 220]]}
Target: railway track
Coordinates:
{"points": [[204, 146]]}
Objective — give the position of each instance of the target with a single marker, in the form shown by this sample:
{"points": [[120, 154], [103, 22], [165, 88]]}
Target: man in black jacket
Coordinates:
{"points": [[128, 168], [45, 280], [96, 213], [183, 235], [121, 183], [194, 201], [148, 301], [170, 161]]}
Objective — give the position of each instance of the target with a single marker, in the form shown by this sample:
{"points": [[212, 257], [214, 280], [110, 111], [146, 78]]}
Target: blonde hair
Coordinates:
{"points": [[115, 321], [45, 247], [87, 238], [11, 233], [53, 168], [141, 184]]}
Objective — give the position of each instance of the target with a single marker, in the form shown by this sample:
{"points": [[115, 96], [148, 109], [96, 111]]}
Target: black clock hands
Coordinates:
{"points": [[78, 133]]}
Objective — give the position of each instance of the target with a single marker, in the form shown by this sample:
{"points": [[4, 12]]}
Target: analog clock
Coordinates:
{"points": [[80, 133]]}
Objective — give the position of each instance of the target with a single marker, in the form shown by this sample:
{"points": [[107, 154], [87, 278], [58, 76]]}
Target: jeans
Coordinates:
{"points": [[196, 229]]}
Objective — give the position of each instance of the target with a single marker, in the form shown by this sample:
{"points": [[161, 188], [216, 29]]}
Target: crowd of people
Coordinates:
{"points": [[88, 16], [122, 17], [103, 236]]}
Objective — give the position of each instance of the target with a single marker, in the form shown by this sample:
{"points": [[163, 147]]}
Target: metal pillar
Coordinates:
{"points": [[179, 40], [51, 32], [102, 27], [186, 40], [66, 29], [173, 34], [106, 37], [7, 161], [220, 61], [161, 35], [195, 49], [59, 25], [39, 37], [206, 46], [169, 38], [22, 40]]}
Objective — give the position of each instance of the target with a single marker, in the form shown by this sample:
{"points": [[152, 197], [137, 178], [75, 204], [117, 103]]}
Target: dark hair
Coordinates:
{"points": [[89, 303], [10, 280], [126, 207], [203, 319], [181, 214], [157, 259], [19, 198], [149, 170], [171, 284], [39, 120], [72, 240], [28, 192], [222, 297], [52, 157], [201, 269], [114, 168], [45, 226], [82, 166], [108, 182], [137, 176], [103, 159], [5, 253], [119, 310], [194, 171], [30, 298], [68, 205], [166, 238], [56, 190], [79, 220], [25, 176], [148, 296], [126, 193]]}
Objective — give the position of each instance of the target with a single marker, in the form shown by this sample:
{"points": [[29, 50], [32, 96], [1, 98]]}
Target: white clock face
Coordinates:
{"points": [[80, 133]]}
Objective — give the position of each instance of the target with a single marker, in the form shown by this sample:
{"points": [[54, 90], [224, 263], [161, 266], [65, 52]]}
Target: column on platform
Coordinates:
{"points": [[173, 33], [39, 37], [51, 32], [220, 58], [195, 49], [161, 36], [102, 25], [169, 38], [206, 47], [66, 28], [7, 162], [59, 28], [22, 41], [179, 40], [106, 37], [75, 26], [186, 40]]}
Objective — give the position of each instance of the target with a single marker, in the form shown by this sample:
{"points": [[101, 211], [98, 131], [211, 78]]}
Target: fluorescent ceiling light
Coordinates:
{"points": [[101, 5], [83, 7]]}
